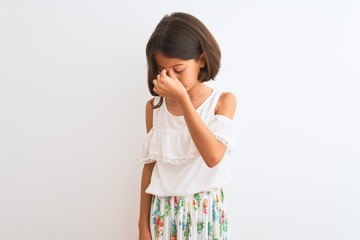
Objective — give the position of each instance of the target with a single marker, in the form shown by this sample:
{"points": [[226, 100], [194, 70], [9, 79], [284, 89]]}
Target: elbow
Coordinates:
{"points": [[213, 161], [211, 165]]}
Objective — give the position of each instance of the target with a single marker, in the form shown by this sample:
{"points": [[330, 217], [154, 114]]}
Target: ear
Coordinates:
{"points": [[202, 59]]}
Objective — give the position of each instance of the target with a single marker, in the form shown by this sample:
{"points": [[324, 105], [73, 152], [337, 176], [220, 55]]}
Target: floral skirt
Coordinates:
{"points": [[196, 217]]}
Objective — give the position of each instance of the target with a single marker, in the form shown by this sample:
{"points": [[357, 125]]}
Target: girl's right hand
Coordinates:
{"points": [[144, 235], [169, 86]]}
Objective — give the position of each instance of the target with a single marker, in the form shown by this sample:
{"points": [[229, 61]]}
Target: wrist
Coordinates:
{"points": [[186, 105], [183, 99], [144, 227]]}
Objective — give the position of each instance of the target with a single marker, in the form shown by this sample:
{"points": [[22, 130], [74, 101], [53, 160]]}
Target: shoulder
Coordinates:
{"points": [[149, 114], [149, 105], [226, 105]]}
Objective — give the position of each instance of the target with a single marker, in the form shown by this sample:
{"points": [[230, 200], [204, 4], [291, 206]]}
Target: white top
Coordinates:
{"points": [[180, 169]]}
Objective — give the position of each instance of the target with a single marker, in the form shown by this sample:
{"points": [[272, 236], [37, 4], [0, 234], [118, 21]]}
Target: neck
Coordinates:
{"points": [[199, 90]]}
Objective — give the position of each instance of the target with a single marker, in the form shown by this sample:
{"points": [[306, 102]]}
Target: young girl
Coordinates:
{"points": [[190, 135]]}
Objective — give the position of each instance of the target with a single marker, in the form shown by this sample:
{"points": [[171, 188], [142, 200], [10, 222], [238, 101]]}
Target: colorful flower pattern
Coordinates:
{"points": [[197, 217]]}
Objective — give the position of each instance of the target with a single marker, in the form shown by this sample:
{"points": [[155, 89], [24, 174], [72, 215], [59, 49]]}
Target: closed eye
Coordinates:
{"points": [[175, 71], [178, 72]]}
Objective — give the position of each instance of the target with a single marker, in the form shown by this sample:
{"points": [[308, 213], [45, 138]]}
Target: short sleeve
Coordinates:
{"points": [[224, 130]]}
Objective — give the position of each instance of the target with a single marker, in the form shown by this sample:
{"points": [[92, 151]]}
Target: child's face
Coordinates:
{"points": [[186, 71]]}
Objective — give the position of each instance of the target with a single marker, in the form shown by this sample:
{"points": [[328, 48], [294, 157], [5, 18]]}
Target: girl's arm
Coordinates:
{"points": [[145, 199], [211, 150]]}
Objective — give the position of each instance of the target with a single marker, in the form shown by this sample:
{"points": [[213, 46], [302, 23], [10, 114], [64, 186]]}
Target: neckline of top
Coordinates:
{"points": [[199, 107]]}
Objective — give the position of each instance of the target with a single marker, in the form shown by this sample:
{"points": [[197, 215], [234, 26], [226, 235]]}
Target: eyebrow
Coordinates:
{"points": [[173, 66]]}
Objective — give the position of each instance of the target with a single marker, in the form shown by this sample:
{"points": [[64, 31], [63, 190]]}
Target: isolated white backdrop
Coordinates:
{"points": [[72, 102]]}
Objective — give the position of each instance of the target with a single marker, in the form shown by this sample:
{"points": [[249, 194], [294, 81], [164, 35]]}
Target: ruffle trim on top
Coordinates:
{"points": [[224, 130], [154, 158], [175, 146]]}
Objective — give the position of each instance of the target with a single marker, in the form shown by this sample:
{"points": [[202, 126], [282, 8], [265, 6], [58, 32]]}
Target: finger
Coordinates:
{"points": [[155, 90], [163, 73], [172, 73], [155, 82]]}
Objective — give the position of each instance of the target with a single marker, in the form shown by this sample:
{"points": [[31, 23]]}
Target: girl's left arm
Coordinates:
{"points": [[211, 150]]}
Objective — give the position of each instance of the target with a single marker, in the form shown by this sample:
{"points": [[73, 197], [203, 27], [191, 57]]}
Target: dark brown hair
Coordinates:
{"points": [[183, 36]]}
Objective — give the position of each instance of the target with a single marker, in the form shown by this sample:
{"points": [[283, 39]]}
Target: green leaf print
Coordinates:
{"points": [[225, 226], [152, 199], [179, 204], [198, 200], [167, 208], [210, 229], [158, 205], [200, 227], [173, 228], [187, 232]]}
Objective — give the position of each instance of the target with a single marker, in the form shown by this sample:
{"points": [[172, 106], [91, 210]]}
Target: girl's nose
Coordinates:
{"points": [[167, 72]]}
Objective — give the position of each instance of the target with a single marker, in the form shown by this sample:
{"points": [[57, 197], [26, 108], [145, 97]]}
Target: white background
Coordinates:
{"points": [[72, 103]]}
